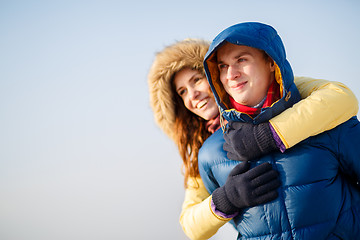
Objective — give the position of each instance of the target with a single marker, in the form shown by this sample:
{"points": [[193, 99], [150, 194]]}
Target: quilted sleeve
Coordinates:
{"points": [[197, 219], [325, 105], [349, 149]]}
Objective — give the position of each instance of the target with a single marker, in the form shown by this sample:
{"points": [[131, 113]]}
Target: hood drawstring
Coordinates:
{"points": [[223, 122]]}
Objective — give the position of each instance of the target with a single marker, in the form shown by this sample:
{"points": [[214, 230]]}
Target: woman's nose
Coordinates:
{"points": [[194, 93]]}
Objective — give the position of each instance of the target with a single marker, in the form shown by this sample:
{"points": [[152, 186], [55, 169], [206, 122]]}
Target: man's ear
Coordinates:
{"points": [[272, 65]]}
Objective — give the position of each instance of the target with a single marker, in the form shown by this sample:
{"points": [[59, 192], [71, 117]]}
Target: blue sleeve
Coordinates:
{"points": [[349, 148]]}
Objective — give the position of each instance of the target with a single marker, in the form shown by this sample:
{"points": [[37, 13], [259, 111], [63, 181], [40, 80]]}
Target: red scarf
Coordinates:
{"points": [[272, 96]]}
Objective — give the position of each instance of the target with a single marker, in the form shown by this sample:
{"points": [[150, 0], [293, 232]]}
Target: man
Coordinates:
{"points": [[252, 82]]}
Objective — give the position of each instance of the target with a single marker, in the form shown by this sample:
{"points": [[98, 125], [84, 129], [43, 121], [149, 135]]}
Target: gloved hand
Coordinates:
{"points": [[246, 188], [247, 141]]}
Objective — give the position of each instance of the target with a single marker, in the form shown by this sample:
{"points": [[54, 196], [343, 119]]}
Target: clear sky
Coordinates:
{"points": [[80, 154]]}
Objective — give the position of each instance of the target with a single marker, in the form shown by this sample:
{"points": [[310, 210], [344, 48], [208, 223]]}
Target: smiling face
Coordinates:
{"points": [[195, 92], [245, 73]]}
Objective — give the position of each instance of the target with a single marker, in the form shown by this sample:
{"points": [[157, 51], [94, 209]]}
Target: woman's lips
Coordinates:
{"points": [[202, 103]]}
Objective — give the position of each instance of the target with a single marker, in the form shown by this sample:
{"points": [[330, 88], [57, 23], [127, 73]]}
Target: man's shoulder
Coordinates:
{"points": [[212, 149], [214, 142]]}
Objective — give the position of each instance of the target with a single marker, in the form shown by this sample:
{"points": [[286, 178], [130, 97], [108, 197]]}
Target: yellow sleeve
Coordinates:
{"points": [[325, 105], [197, 219]]}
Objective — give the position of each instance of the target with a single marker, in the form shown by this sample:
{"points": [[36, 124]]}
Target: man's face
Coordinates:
{"points": [[245, 73]]}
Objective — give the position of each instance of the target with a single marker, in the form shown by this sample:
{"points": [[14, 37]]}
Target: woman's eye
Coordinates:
{"points": [[181, 92]]}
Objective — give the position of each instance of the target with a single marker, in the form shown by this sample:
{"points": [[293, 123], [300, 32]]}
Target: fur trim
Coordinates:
{"points": [[187, 53]]}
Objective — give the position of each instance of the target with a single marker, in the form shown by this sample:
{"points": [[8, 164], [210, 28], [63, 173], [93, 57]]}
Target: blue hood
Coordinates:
{"points": [[263, 37]]}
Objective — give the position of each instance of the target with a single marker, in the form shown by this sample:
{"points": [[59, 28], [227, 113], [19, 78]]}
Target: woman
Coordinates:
{"points": [[179, 114]]}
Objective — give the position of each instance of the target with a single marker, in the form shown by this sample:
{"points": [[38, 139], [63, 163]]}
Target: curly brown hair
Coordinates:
{"points": [[187, 130], [190, 134]]}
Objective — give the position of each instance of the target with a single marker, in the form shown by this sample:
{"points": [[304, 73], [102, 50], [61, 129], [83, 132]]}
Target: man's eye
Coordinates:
{"points": [[241, 60], [222, 66]]}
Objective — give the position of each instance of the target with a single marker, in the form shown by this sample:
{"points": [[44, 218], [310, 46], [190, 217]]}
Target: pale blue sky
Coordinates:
{"points": [[80, 154]]}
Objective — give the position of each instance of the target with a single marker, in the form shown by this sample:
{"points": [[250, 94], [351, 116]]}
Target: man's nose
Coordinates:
{"points": [[232, 73]]}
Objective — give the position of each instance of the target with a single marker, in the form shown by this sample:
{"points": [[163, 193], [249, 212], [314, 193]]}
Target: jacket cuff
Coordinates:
{"points": [[222, 203], [277, 139], [219, 214]]}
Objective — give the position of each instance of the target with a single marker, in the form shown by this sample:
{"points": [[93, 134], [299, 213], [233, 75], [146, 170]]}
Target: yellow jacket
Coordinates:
{"points": [[325, 105]]}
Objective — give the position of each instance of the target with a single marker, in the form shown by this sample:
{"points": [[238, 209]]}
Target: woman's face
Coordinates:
{"points": [[195, 92]]}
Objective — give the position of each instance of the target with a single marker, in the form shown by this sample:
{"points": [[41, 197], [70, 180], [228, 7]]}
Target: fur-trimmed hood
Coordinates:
{"points": [[187, 53]]}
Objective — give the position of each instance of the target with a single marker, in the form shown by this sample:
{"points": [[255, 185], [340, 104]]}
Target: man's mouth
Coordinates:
{"points": [[238, 86], [202, 103]]}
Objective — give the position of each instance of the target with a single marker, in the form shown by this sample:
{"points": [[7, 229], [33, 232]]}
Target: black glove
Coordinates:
{"points": [[246, 188], [246, 141]]}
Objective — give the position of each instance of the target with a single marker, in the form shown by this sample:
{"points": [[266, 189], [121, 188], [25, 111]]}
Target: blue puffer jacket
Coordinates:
{"points": [[319, 198]]}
